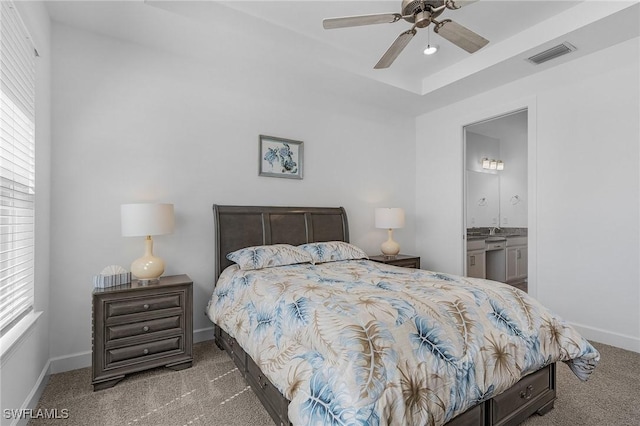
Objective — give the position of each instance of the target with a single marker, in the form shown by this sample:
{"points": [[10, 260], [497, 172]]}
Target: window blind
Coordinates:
{"points": [[17, 167]]}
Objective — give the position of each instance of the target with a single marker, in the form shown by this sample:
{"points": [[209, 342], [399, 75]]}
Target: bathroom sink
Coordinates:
{"points": [[495, 238]]}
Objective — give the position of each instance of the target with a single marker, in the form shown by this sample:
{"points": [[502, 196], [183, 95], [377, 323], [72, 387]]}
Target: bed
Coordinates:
{"points": [[413, 347]]}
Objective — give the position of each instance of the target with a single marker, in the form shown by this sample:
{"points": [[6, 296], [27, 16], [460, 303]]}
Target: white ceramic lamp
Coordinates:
{"points": [[145, 220], [390, 219]]}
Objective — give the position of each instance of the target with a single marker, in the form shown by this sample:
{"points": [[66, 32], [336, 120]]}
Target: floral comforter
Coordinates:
{"points": [[357, 342]]}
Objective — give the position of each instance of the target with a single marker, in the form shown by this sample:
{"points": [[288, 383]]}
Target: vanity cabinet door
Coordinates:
{"points": [[476, 264], [521, 263], [512, 258], [517, 263]]}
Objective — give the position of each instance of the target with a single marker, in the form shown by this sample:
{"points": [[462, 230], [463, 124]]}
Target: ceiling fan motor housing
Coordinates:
{"points": [[419, 11]]}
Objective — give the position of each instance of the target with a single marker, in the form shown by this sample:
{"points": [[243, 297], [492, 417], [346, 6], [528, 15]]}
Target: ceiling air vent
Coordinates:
{"points": [[554, 52]]}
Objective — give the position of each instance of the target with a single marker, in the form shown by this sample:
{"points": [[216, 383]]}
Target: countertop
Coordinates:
{"points": [[501, 234], [499, 237]]}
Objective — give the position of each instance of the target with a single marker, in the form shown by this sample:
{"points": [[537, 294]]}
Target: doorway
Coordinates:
{"points": [[496, 198]]}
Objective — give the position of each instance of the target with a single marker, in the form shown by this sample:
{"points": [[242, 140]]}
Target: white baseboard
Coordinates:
{"points": [[202, 335], [618, 340], [34, 396], [64, 363]]}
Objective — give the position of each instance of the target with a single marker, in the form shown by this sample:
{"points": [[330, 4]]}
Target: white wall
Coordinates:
{"points": [[133, 124], [513, 179], [24, 368], [584, 188]]}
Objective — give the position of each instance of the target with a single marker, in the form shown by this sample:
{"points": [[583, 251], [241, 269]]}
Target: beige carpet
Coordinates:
{"points": [[212, 392], [611, 397]]}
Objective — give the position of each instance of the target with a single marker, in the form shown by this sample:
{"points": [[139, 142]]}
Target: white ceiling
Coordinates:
{"points": [[495, 20], [289, 34]]}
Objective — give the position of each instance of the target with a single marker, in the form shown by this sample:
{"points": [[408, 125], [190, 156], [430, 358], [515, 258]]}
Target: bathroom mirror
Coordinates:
{"points": [[483, 199], [496, 198]]}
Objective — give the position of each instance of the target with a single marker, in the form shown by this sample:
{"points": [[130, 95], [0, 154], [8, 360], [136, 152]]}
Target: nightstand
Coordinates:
{"points": [[399, 260], [137, 327]]}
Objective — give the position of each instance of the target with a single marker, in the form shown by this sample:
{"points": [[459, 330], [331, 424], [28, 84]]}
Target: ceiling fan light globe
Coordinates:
{"points": [[430, 49]]}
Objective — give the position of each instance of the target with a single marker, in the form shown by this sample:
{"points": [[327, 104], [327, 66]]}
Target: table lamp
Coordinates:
{"points": [[145, 220], [389, 218]]}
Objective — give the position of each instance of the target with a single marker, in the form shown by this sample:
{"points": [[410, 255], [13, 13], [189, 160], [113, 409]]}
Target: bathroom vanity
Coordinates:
{"points": [[498, 256]]}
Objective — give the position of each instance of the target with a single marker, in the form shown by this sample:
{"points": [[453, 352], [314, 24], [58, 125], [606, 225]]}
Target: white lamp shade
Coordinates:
{"points": [[389, 218], [139, 220]]}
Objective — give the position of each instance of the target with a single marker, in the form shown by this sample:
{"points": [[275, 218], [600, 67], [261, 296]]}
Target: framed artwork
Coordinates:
{"points": [[280, 157]]}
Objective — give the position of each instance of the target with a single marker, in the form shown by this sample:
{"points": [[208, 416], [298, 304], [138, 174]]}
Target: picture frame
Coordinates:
{"points": [[280, 157]]}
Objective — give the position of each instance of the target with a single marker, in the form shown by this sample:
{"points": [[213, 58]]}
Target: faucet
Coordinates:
{"points": [[493, 229]]}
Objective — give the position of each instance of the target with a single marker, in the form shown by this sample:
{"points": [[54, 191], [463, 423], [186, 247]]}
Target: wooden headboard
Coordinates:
{"points": [[237, 227]]}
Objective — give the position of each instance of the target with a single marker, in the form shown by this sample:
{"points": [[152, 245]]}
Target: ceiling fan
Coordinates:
{"points": [[421, 13]]}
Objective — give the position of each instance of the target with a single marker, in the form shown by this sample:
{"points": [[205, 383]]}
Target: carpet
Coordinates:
{"points": [[213, 392]]}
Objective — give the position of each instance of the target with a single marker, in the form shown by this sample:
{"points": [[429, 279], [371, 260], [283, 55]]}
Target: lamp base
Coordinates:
{"points": [[390, 247], [148, 268]]}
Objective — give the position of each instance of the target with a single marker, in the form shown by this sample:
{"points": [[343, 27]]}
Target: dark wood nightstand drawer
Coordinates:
{"points": [[144, 350], [147, 328], [143, 304]]}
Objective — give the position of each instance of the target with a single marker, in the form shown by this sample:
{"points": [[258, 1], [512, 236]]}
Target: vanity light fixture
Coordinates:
{"points": [[492, 164]]}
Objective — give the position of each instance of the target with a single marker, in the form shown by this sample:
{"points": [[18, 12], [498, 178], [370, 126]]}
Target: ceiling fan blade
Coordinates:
{"points": [[457, 4], [356, 21], [460, 36], [396, 48]]}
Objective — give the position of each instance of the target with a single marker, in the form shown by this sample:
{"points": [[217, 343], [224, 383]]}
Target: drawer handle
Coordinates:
{"points": [[526, 394], [262, 384], [145, 328], [146, 351], [146, 306]]}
